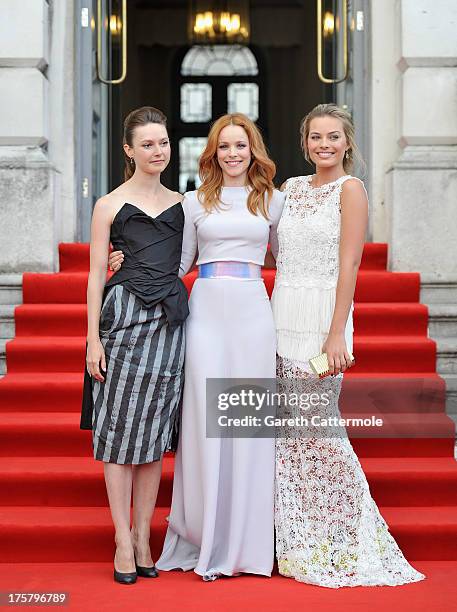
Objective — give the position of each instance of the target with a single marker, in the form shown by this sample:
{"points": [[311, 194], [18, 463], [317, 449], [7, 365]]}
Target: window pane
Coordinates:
{"points": [[243, 98], [190, 150], [195, 102], [225, 60]]}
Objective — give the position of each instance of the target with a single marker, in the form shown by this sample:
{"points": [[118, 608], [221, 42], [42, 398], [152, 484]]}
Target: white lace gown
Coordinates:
{"points": [[329, 531]]}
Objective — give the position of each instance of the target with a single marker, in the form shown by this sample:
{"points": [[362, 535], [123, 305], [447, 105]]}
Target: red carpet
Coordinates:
{"points": [[91, 588], [55, 528]]}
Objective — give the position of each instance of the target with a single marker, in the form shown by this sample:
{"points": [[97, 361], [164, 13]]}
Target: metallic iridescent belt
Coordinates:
{"points": [[230, 269]]}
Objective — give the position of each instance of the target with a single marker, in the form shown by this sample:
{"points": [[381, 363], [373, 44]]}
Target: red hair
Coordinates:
{"points": [[260, 174]]}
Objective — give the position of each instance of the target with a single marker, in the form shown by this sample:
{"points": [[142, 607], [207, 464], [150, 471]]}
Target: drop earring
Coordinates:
{"points": [[131, 161]]}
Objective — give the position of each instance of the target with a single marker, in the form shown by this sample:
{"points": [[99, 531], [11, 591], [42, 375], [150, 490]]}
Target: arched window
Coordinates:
{"points": [[212, 81], [221, 60]]}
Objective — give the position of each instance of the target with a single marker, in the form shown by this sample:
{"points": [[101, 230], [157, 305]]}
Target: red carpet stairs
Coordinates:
{"points": [[53, 505]]}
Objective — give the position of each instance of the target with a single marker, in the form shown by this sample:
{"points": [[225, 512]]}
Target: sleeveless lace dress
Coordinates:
{"points": [[329, 531]]}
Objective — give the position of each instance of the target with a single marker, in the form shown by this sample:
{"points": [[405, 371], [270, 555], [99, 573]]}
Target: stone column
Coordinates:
{"points": [[421, 196], [36, 133]]}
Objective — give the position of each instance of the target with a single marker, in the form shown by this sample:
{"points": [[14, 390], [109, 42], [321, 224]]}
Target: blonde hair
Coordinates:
{"points": [[332, 110], [260, 173]]}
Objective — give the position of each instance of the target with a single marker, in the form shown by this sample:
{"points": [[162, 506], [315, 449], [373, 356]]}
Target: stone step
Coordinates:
{"points": [[442, 320], [451, 400], [2, 357], [438, 291], [10, 288], [10, 297], [446, 355], [451, 394], [7, 326]]}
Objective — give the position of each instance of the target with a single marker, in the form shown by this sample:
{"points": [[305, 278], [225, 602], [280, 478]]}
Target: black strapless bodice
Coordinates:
{"points": [[152, 254]]}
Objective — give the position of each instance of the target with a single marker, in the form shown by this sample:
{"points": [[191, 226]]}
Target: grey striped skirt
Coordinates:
{"points": [[137, 408]]}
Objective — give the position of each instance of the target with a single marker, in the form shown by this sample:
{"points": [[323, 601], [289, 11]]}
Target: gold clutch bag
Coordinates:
{"points": [[319, 364]]}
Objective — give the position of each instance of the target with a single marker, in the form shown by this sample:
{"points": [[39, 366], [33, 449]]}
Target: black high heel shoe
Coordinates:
{"points": [[146, 572], [125, 577]]}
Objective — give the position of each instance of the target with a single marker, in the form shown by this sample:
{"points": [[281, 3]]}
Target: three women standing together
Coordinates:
{"points": [[227, 492]]}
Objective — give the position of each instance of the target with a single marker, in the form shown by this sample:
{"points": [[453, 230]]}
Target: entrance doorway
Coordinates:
{"points": [[137, 53], [211, 81]]}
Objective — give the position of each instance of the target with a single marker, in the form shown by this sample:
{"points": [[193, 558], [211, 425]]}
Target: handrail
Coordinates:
{"points": [[99, 45], [320, 73]]}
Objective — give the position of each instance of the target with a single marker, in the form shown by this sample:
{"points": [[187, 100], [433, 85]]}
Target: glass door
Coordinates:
{"points": [[342, 60], [212, 80], [102, 65]]}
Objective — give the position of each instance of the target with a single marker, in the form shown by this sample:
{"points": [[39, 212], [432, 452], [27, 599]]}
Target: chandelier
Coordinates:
{"points": [[219, 22]]}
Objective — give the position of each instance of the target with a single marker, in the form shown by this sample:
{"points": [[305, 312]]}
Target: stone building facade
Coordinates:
{"points": [[410, 131]]}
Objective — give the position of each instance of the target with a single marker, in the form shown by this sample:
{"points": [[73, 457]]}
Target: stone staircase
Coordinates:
{"points": [[10, 297], [441, 299]]}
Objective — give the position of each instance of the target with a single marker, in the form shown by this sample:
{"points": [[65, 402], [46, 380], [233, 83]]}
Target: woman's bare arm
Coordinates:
{"points": [[99, 247], [354, 221]]}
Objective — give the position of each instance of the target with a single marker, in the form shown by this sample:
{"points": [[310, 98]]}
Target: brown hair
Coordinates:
{"points": [[260, 173], [332, 110], [138, 117]]}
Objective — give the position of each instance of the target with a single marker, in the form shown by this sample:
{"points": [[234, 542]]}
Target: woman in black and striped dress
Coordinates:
{"points": [[135, 342]]}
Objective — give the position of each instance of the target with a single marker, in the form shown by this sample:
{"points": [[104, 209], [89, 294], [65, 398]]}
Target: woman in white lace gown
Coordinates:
{"points": [[329, 530]]}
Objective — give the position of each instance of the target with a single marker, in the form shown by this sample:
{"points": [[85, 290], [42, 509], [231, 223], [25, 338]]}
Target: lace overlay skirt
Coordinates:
{"points": [[329, 531]]}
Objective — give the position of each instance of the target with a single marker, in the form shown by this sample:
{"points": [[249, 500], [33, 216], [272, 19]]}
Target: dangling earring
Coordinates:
{"points": [[346, 155], [131, 161]]}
